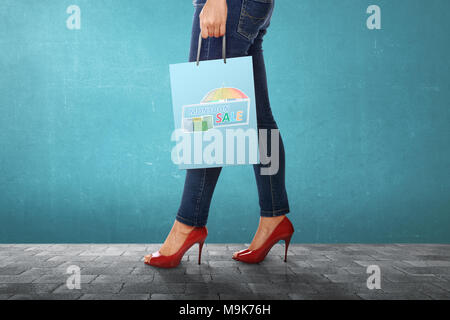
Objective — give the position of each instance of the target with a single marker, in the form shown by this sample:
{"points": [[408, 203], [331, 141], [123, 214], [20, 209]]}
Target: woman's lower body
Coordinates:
{"points": [[247, 24]]}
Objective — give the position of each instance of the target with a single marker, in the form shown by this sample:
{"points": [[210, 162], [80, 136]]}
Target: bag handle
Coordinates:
{"points": [[224, 49]]}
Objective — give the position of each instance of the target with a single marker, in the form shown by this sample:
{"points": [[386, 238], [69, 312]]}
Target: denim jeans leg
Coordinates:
{"points": [[197, 194], [272, 193]]}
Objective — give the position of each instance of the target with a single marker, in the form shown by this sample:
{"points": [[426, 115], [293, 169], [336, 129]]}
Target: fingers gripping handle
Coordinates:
{"points": [[224, 49]]}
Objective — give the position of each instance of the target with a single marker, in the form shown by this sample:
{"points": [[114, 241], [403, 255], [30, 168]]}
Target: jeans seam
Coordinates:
{"points": [[199, 199], [188, 221], [275, 211], [209, 46], [271, 193], [244, 13]]}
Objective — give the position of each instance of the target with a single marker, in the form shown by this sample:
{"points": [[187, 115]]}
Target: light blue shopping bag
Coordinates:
{"points": [[214, 112]]}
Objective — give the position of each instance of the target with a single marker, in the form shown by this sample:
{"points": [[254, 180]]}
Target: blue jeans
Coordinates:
{"points": [[247, 24]]}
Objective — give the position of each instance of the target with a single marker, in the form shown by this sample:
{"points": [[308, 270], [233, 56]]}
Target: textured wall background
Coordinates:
{"points": [[85, 122]]}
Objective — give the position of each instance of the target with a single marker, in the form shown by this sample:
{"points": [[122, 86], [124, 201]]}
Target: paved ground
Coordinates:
{"points": [[312, 272]]}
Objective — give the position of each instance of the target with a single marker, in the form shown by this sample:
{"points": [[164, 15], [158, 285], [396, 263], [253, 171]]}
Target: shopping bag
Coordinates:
{"points": [[214, 112]]}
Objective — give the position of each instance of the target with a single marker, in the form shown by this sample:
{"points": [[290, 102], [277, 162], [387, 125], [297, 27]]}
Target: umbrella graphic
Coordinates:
{"points": [[223, 94], [215, 96]]}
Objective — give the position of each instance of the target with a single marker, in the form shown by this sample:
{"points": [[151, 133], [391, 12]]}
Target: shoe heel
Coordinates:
{"points": [[200, 247], [286, 246]]}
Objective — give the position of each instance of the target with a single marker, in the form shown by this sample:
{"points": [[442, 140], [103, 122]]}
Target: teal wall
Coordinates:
{"points": [[85, 122]]}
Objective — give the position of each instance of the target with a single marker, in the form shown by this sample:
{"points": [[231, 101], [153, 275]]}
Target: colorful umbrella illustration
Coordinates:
{"points": [[223, 94]]}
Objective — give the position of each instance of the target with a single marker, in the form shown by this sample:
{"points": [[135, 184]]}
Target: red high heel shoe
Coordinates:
{"points": [[197, 235], [283, 231]]}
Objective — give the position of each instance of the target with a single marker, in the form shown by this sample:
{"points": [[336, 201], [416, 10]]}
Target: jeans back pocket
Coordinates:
{"points": [[254, 14]]}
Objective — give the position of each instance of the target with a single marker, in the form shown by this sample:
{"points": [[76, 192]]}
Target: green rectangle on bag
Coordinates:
{"points": [[197, 124]]}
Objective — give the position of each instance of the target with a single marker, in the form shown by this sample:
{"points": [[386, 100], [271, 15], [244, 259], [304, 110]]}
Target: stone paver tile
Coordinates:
{"points": [[136, 247], [92, 288], [326, 269], [84, 264], [236, 246], [119, 259], [297, 263], [131, 296], [135, 287], [310, 277], [412, 278], [12, 270], [197, 288], [222, 264], [434, 291], [431, 257], [196, 269], [215, 246], [382, 263], [360, 270], [224, 270], [178, 270], [429, 263], [346, 278], [144, 270], [179, 278], [27, 288], [61, 279], [38, 272], [340, 288], [228, 287], [264, 288], [443, 284], [123, 278], [253, 296], [438, 295], [101, 253], [16, 279], [332, 264], [265, 269], [106, 271], [394, 296], [168, 288], [425, 270], [250, 277], [388, 286], [6, 263], [72, 258], [324, 296], [310, 258], [220, 253], [126, 264], [28, 264], [154, 288], [136, 254], [165, 296], [46, 296], [49, 254]]}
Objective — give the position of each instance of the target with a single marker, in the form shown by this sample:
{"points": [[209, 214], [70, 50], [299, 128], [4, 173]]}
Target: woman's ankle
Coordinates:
{"points": [[182, 227], [268, 223]]}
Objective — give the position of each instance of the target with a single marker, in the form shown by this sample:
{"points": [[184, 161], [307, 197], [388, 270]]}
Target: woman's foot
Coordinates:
{"points": [[174, 240], [265, 229], [270, 231]]}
